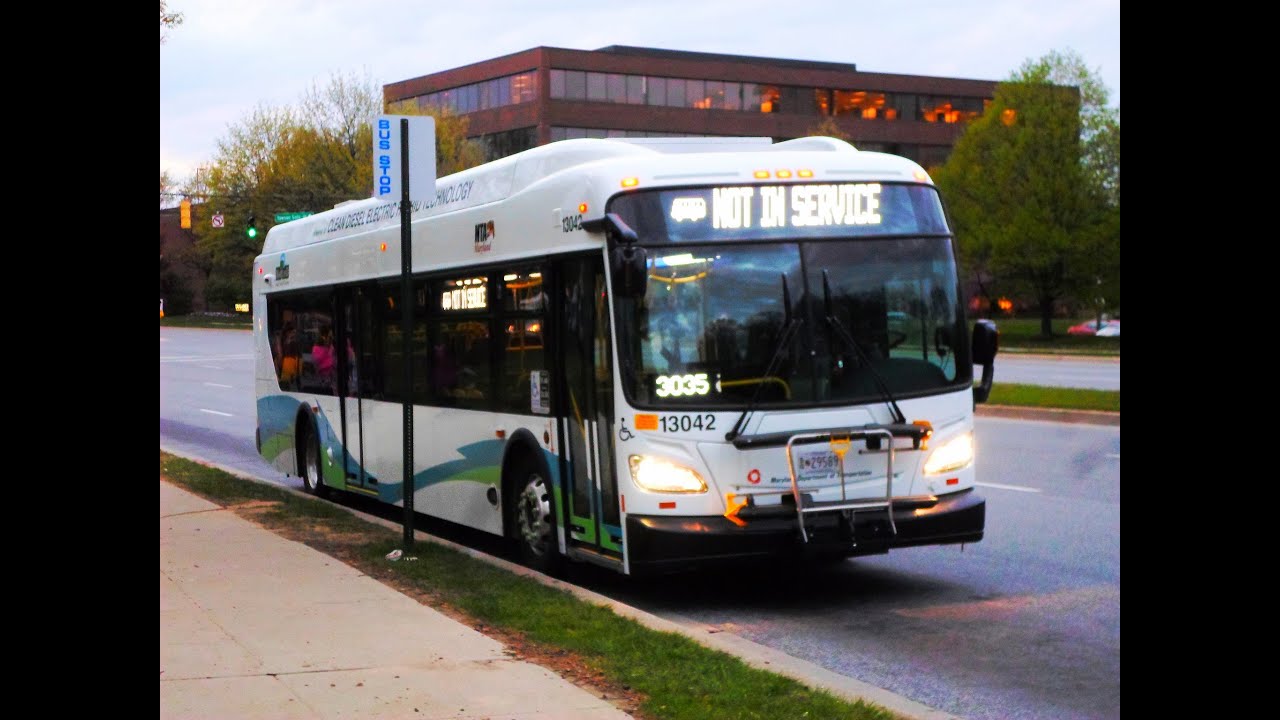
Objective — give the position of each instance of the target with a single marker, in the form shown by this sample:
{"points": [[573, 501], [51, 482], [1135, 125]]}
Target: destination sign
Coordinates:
{"points": [[783, 206], [775, 212], [468, 294]]}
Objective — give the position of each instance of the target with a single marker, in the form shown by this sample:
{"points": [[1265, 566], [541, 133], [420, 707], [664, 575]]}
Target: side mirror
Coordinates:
{"points": [[629, 264], [985, 343], [630, 268]]}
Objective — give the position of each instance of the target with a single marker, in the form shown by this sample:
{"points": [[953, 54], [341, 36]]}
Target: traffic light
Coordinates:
{"points": [[252, 228], [185, 214]]}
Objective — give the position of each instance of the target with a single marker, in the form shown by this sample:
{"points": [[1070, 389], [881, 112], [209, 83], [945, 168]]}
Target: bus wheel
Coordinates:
{"points": [[535, 520], [311, 477]]}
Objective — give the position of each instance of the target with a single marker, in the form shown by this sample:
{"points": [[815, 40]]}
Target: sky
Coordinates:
{"points": [[231, 56]]}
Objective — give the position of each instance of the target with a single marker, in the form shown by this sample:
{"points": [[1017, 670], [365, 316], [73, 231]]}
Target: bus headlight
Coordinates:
{"points": [[658, 475], [957, 453]]}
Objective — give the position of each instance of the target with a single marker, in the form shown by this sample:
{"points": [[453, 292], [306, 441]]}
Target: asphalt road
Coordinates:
{"points": [[1024, 624], [1095, 373]]}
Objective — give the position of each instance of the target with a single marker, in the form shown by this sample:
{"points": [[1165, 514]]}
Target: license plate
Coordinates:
{"points": [[817, 465]]}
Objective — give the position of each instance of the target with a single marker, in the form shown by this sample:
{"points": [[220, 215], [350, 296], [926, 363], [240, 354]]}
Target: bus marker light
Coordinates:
{"points": [[629, 182], [734, 504], [928, 432], [805, 173], [383, 247], [953, 481], [783, 173], [669, 505], [922, 176], [500, 434], [762, 174], [624, 502], [582, 207], [646, 422]]}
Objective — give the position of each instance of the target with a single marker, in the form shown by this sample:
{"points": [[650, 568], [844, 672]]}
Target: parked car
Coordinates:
{"points": [[1091, 328]]}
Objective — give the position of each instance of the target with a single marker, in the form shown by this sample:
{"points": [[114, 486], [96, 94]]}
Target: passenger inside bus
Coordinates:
{"points": [[325, 359], [291, 358]]}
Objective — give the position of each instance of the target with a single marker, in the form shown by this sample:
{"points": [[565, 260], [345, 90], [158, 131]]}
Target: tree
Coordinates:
{"points": [[1027, 186], [239, 184], [166, 188], [829, 128], [308, 158], [168, 20]]}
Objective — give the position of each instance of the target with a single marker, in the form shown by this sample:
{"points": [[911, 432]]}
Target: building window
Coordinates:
{"points": [[865, 104], [696, 94], [770, 95], [597, 87], [510, 142], [822, 100], [715, 94], [635, 89], [617, 87], [676, 92], [575, 85], [557, 84], [524, 87], [732, 96], [656, 93], [707, 94]]}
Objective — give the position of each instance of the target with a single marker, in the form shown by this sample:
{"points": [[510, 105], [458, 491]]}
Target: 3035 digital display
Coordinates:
{"points": [[675, 386]]}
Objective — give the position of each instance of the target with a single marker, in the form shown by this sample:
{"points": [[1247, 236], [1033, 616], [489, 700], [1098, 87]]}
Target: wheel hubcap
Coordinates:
{"points": [[533, 512]]}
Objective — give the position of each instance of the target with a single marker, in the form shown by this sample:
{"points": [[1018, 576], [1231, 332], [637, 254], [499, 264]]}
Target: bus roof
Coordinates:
{"points": [[671, 160]]}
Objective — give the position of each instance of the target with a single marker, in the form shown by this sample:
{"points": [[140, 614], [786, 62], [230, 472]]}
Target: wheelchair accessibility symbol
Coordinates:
{"points": [[624, 433]]}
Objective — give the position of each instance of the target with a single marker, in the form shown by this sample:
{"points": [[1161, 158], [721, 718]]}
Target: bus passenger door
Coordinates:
{"points": [[354, 333], [591, 502]]}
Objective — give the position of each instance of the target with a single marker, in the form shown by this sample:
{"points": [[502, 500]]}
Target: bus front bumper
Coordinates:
{"points": [[661, 544]]}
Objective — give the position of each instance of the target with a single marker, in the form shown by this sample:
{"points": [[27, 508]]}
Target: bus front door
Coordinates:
{"points": [[593, 527]]}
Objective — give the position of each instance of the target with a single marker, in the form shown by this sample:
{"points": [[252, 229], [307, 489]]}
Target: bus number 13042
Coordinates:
{"points": [[686, 423]]}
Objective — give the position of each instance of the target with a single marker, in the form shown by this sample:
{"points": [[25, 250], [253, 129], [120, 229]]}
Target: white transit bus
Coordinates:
{"points": [[644, 354]]}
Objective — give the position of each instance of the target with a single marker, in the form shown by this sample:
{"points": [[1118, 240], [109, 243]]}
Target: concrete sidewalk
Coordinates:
{"points": [[256, 626]]}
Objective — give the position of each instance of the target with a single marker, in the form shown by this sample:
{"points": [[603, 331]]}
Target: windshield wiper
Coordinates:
{"points": [[789, 329], [898, 417]]}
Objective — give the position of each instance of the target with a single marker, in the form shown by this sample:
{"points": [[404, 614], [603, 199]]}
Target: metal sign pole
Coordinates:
{"points": [[406, 329]]}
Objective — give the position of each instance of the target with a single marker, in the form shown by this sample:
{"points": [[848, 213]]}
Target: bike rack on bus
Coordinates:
{"points": [[841, 441]]}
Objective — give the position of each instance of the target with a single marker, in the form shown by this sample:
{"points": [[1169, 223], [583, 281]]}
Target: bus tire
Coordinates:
{"points": [[312, 473], [534, 518]]}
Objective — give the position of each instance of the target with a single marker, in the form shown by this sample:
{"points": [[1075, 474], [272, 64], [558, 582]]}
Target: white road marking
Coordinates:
{"points": [[1114, 455], [218, 385], [215, 412]]}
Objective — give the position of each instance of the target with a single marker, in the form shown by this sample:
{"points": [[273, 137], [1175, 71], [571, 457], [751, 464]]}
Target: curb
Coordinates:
{"points": [[1086, 417], [753, 654]]}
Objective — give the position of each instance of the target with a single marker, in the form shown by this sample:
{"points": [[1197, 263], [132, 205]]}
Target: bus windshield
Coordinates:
{"points": [[710, 330]]}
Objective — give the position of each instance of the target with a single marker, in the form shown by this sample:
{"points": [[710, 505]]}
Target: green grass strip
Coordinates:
{"points": [[1054, 397], [681, 679]]}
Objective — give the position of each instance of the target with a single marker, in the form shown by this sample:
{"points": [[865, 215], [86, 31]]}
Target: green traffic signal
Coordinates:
{"points": [[252, 229]]}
